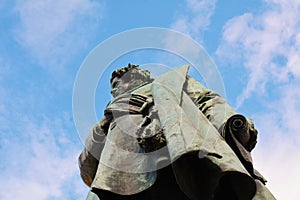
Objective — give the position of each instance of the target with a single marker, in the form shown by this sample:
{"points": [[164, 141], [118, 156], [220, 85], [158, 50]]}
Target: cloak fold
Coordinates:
{"points": [[203, 164]]}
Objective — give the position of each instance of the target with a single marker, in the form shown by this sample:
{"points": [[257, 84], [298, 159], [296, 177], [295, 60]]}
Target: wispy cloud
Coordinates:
{"points": [[38, 151], [52, 31], [277, 154], [39, 161], [194, 18], [267, 42]]}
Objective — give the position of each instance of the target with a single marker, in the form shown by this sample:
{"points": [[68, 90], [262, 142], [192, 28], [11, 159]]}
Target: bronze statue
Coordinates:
{"points": [[170, 138]]}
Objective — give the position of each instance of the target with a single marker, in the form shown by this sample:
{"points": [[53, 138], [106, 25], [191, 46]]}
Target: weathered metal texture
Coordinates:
{"points": [[192, 118]]}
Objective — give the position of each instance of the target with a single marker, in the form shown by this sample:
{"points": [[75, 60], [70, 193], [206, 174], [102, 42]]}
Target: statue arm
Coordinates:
{"points": [[89, 158], [210, 103], [216, 109]]}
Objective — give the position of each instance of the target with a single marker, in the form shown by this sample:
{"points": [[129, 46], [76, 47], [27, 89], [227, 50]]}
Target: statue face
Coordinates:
{"points": [[129, 80], [122, 84], [119, 86]]}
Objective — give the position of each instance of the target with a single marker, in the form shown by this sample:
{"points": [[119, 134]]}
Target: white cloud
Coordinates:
{"points": [[53, 30], [277, 155], [195, 18], [38, 152], [39, 162], [268, 44]]}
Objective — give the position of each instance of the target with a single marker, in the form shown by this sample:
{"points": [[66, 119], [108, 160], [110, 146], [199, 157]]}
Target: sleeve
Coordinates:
{"points": [[210, 103], [215, 108], [238, 131], [89, 158]]}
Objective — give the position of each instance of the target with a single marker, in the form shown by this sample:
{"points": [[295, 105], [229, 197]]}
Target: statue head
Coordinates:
{"points": [[127, 78]]}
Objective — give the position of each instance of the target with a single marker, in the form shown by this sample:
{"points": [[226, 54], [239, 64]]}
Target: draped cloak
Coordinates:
{"points": [[194, 124]]}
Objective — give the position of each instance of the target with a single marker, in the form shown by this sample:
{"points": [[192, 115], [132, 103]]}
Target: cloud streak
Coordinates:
{"points": [[39, 162], [38, 151], [195, 18], [38, 145], [53, 31], [268, 43], [277, 156]]}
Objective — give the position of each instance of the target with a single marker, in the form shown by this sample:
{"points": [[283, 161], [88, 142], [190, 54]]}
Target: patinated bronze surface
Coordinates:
{"points": [[205, 143]]}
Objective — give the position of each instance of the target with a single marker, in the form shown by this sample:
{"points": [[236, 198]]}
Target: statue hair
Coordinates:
{"points": [[130, 68]]}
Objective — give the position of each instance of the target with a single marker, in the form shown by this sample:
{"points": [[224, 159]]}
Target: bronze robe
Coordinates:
{"points": [[193, 120]]}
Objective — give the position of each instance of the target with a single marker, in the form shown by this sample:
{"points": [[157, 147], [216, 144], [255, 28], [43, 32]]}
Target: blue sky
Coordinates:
{"points": [[254, 44]]}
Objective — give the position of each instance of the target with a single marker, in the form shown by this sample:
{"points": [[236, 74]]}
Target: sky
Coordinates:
{"points": [[254, 44]]}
